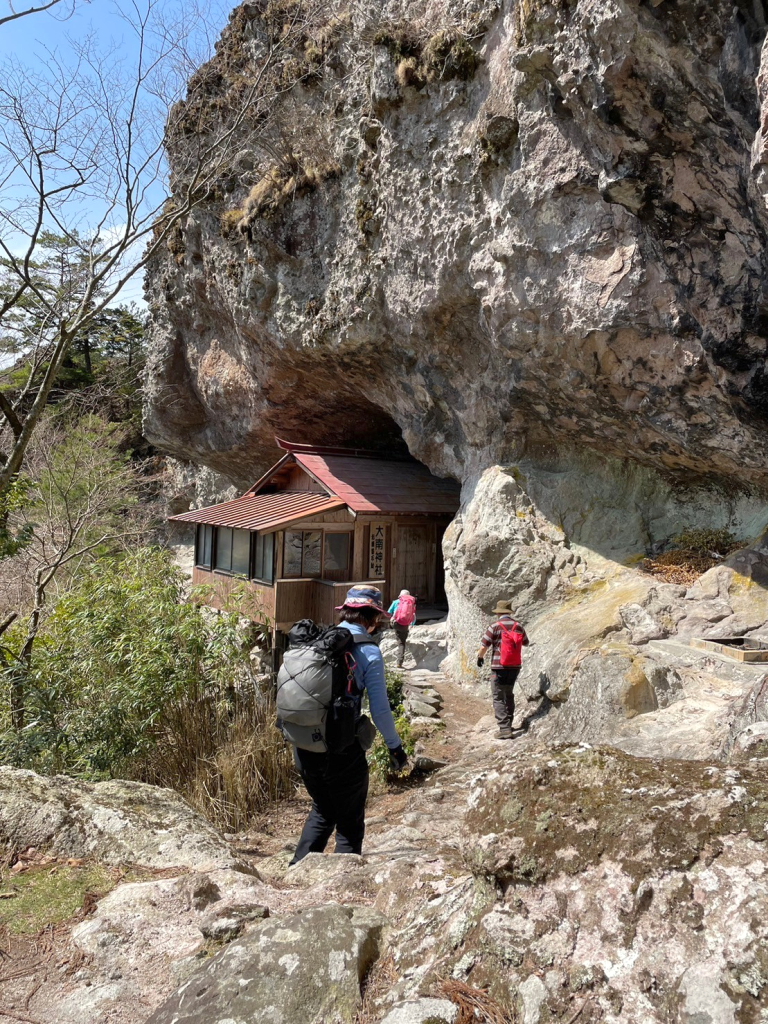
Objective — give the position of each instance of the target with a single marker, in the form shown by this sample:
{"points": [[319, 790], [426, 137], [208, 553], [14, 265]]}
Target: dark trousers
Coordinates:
{"points": [[338, 785], [401, 632], [503, 692]]}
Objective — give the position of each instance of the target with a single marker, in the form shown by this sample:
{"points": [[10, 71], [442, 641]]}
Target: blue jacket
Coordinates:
{"points": [[369, 675]]}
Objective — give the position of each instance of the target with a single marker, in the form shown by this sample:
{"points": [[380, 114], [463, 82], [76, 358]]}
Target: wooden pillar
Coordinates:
{"points": [[432, 563], [359, 552], [278, 554], [393, 582]]}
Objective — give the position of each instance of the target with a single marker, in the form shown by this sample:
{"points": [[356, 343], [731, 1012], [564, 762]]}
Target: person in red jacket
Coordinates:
{"points": [[503, 677]]}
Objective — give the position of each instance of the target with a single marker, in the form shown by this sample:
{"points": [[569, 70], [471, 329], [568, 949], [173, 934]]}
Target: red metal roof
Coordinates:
{"points": [[379, 485], [263, 512]]}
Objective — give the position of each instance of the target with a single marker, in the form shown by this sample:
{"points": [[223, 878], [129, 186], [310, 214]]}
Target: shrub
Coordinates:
{"points": [[693, 552], [394, 680], [704, 541], [129, 680], [229, 221], [447, 55], [378, 755], [444, 56]]}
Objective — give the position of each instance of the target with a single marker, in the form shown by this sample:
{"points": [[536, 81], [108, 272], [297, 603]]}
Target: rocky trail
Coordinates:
{"points": [[67, 971], [522, 883]]}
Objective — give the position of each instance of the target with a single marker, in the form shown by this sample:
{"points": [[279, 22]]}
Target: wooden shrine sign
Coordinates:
{"points": [[376, 549]]}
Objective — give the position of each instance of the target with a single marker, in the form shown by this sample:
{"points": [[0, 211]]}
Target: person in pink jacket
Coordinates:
{"points": [[403, 612]]}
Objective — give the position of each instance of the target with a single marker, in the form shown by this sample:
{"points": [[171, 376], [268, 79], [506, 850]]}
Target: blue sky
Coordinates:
{"points": [[30, 40]]}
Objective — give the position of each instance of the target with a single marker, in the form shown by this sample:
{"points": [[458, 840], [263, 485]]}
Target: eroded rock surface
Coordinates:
{"points": [[113, 822], [550, 881], [538, 263], [559, 235], [306, 967]]}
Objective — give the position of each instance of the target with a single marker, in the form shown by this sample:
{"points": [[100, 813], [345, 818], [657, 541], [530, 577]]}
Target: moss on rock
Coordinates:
{"points": [[43, 896], [567, 810]]}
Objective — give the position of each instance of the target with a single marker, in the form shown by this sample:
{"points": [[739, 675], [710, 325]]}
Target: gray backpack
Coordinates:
{"points": [[318, 702]]}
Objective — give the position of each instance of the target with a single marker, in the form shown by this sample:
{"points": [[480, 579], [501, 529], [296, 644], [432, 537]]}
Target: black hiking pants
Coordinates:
{"points": [[338, 785], [503, 691], [401, 632]]}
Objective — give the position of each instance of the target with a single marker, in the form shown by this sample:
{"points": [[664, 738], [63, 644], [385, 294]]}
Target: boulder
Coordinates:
{"points": [[306, 967], [425, 695], [604, 887], [661, 699], [423, 765], [423, 1011], [423, 680], [145, 937], [426, 648], [113, 822]]}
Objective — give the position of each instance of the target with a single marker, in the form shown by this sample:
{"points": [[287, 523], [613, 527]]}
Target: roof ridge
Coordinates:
{"points": [[339, 451]]}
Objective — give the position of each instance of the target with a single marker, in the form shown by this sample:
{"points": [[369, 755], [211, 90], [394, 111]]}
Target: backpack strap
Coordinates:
{"points": [[510, 628]]}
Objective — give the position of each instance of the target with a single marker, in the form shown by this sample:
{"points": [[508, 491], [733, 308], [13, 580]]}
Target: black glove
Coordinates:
{"points": [[480, 662], [399, 758]]}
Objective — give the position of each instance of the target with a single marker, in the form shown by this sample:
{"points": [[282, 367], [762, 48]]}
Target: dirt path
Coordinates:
{"points": [[280, 825]]}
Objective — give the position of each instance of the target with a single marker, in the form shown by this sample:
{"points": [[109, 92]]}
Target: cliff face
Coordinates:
{"points": [[521, 235]]}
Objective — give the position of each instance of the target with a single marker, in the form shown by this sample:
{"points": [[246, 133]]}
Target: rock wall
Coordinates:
{"points": [[563, 238], [526, 240]]}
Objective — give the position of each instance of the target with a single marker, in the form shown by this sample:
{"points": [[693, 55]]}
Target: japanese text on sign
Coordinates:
{"points": [[376, 551]]}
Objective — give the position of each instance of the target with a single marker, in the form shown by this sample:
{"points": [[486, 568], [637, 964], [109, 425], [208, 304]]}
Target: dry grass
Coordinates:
{"points": [[377, 982], [224, 755], [695, 551], [475, 1005], [229, 221], [681, 566], [283, 183]]}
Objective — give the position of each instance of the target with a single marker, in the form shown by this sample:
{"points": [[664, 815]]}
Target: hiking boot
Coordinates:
{"points": [[504, 734]]}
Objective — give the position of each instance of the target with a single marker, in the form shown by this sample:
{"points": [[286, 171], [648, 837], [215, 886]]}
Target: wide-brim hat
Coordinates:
{"points": [[503, 608], [364, 597]]}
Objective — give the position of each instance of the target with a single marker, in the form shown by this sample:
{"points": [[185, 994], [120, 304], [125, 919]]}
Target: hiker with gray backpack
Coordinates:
{"points": [[319, 706]]}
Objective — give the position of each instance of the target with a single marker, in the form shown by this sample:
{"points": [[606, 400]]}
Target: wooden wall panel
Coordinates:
{"points": [[254, 600], [300, 480], [294, 600]]}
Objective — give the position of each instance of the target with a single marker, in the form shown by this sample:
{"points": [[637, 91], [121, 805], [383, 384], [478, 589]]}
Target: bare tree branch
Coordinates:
{"points": [[14, 15], [82, 156]]}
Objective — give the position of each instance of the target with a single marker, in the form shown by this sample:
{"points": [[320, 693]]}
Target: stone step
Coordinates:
{"points": [[421, 708], [428, 697]]}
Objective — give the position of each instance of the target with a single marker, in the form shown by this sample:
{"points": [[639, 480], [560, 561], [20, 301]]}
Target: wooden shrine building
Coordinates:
{"points": [[320, 520]]}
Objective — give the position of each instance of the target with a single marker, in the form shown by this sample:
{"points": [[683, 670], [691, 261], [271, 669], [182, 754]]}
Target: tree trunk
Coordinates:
{"points": [[87, 356], [21, 671]]}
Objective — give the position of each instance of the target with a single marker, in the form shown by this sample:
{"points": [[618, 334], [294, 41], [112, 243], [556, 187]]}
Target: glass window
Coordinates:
{"points": [[292, 553], [241, 552], [302, 553], [337, 552], [233, 550], [312, 552], [268, 572], [264, 557], [203, 546], [223, 548]]}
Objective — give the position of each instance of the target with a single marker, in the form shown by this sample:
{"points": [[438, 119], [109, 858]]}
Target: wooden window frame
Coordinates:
{"points": [[267, 537], [350, 535], [215, 553], [199, 564], [302, 575]]}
